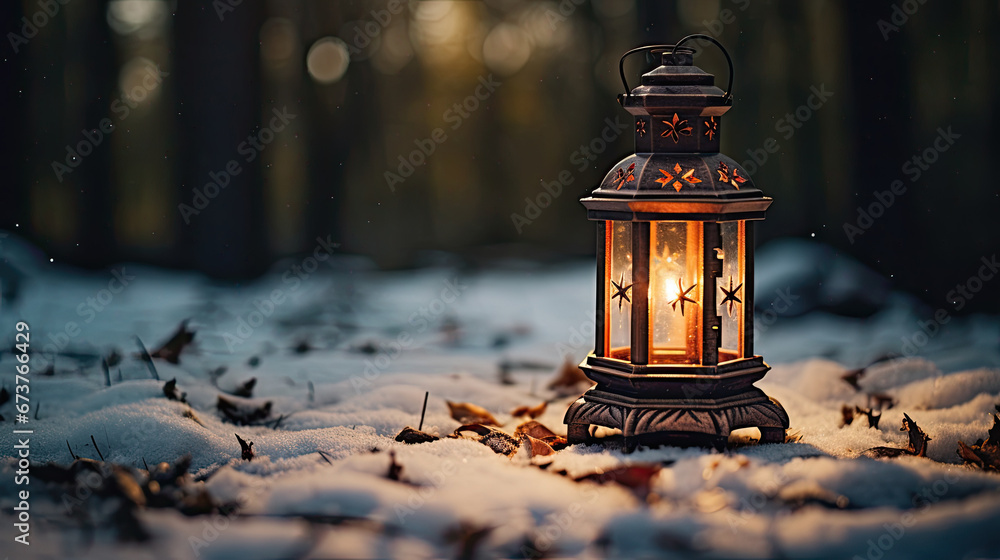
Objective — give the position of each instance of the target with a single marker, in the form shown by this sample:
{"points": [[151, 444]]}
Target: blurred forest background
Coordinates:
{"points": [[369, 81]]}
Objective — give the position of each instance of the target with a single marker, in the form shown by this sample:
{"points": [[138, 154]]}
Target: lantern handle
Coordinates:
{"points": [[621, 62]]}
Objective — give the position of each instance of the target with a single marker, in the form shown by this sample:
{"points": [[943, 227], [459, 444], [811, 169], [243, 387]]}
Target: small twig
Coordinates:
{"points": [[107, 372], [38, 405], [323, 455], [94, 441], [144, 464], [146, 358], [424, 411], [71, 454], [278, 422], [312, 392]]}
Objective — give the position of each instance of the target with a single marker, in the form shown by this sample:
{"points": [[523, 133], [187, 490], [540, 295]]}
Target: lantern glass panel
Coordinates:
{"points": [[675, 292], [618, 328], [731, 294]]}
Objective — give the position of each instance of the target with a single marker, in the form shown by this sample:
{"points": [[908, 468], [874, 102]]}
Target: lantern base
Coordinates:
{"points": [[682, 422]]}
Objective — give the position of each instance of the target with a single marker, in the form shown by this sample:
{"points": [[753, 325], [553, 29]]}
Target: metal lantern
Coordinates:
{"points": [[674, 360]]}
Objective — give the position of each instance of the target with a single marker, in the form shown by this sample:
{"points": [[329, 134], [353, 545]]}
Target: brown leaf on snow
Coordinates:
{"points": [[243, 413], [984, 454], [171, 350], [171, 392], [637, 478], [532, 412], [847, 415], [853, 376], [493, 438], [395, 469], [538, 431], [468, 413], [568, 377], [873, 415], [881, 401], [536, 447], [245, 389], [917, 447], [246, 448], [413, 435]]}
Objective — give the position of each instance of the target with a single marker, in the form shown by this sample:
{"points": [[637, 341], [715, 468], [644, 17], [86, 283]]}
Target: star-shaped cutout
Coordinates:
{"points": [[682, 296], [675, 128], [679, 171], [623, 176], [731, 297], [621, 291], [733, 179], [640, 128], [711, 128]]}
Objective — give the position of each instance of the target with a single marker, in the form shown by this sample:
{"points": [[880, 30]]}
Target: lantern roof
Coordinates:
{"points": [[676, 85], [676, 168]]}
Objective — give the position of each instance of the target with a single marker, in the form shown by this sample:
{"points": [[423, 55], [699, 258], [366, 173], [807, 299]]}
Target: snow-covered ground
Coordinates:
{"points": [[346, 354]]}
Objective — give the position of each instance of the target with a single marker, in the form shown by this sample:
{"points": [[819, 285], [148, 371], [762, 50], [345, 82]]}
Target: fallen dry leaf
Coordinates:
{"points": [[171, 350], [395, 469], [246, 448], [243, 413], [171, 392], [529, 411], [917, 446], [568, 379], [873, 415], [536, 447], [468, 413], [984, 454], [538, 431], [413, 435], [881, 401], [498, 441], [846, 415], [853, 376], [637, 478], [245, 389]]}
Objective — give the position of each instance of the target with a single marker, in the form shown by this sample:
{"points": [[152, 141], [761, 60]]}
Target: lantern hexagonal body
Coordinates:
{"points": [[673, 360]]}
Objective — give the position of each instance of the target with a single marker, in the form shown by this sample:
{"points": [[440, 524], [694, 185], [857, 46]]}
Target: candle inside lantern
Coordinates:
{"points": [[675, 309]]}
